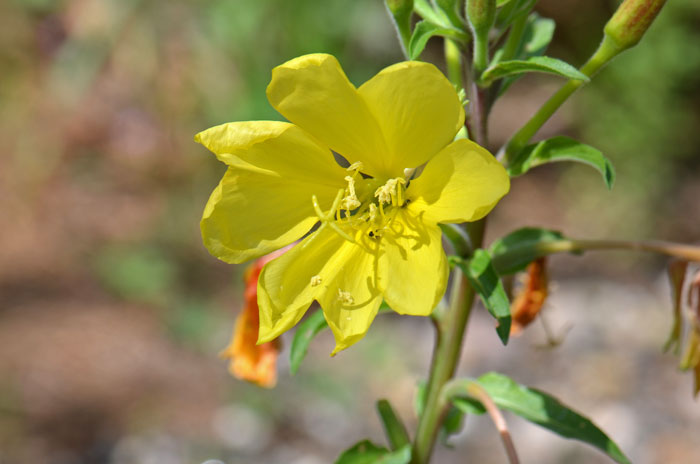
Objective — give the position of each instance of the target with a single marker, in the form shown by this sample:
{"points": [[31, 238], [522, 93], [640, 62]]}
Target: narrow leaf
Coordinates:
{"points": [[302, 338], [516, 250], [423, 31], [393, 427], [541, 64], [469, 405], [536, 37], [562, 149], [451, 425], [486, 282], [366, 452], [425, 10], [546, 411], [511, 10]]}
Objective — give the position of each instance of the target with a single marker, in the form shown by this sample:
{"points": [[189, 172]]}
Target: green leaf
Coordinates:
{"points": [[424, 30], [562, 149], [486, 282], [516, 250], [366, 452], [451, 425], [538, 34], [425, 10], [542, 64], [535, 39], [511, 10], [546, 411], [305, 333], [469, 406], [393, 427], [500, 3]]}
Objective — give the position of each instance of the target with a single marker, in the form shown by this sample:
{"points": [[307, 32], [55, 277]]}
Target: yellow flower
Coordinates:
{"points": [[378, 236]]}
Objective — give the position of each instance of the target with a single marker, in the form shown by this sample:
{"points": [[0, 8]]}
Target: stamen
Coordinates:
{"points": [[372, 212], [341, 232], [329, 216], [345, 297], [350, 201], [356, 166], [316, 280], [399, 191]]}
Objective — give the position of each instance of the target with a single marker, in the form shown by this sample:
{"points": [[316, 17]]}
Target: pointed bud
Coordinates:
{"points": [[631, 21], [481, 15], [400, 7]]}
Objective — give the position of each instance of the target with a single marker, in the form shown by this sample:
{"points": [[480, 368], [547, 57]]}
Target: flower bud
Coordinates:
{"points": [[481, 15], [400, 7], [631, 21]]}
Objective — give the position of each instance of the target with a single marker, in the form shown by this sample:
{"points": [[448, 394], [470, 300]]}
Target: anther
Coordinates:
{"points": [[350, 201], [356, 166], [316, 280], [345, 297], [372, 212]]}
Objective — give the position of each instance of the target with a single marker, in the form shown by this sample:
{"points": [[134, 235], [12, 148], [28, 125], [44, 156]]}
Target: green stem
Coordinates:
{"points": [[605, 52], [450, 332], [515, 34], [450, 326], [481, 53], [453, 58]]}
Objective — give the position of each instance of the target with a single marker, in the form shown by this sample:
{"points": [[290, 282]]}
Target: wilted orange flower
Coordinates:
{"points": [[692, 356], [530, 299], [248, 360]]}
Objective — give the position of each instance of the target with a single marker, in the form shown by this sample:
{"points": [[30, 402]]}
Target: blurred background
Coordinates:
{"points": [[112, 312]]}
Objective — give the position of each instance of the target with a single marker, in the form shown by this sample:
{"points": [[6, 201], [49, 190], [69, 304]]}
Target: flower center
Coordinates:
{"points": [[365, 209]]}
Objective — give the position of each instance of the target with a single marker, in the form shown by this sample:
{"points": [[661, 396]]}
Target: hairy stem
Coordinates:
{"points": [[448, 345], [453, 58], [450, 332]]}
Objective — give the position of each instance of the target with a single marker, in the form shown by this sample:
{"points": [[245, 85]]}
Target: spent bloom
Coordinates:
{"points": [[248, 360], [370, 228]]}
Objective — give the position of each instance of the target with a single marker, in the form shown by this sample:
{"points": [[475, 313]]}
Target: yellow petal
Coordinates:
{"points": [[461, 184], [318, 268], [313, 92], [264, 201], [285, 288], [351, 300], [417, 109], [254, 211], [275, 146], [412, 265]]}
